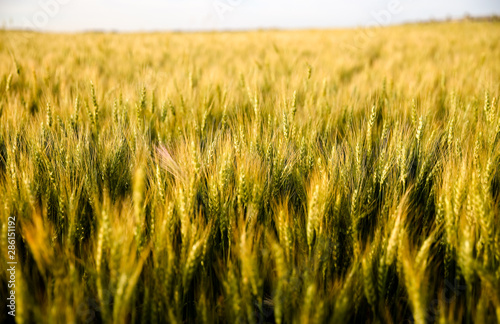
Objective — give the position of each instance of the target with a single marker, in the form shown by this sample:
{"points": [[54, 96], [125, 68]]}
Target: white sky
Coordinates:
{"points": [[134, 15]]}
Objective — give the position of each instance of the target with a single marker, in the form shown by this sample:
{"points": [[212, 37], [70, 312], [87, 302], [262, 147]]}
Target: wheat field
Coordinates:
{"points": [[343, 176]]}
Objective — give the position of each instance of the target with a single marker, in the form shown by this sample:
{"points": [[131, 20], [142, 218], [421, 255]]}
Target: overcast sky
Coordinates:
{"points": [[134, 15]]}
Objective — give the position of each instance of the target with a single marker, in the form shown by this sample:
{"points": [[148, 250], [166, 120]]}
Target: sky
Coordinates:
{"points": [[192, 15]]}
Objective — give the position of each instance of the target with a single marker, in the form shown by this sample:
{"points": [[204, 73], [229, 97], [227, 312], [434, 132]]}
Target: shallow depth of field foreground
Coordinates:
{"points": [[260, 177]]}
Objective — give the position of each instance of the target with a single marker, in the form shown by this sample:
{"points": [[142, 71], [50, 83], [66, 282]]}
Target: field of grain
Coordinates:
{"points": [[256, 177]]}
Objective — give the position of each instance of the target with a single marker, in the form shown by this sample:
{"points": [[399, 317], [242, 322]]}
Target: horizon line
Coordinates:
{"points": [[464, 18]]}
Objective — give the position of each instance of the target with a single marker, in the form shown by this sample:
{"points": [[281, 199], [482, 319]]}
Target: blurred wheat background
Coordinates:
{"points": [[257, 177]]}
